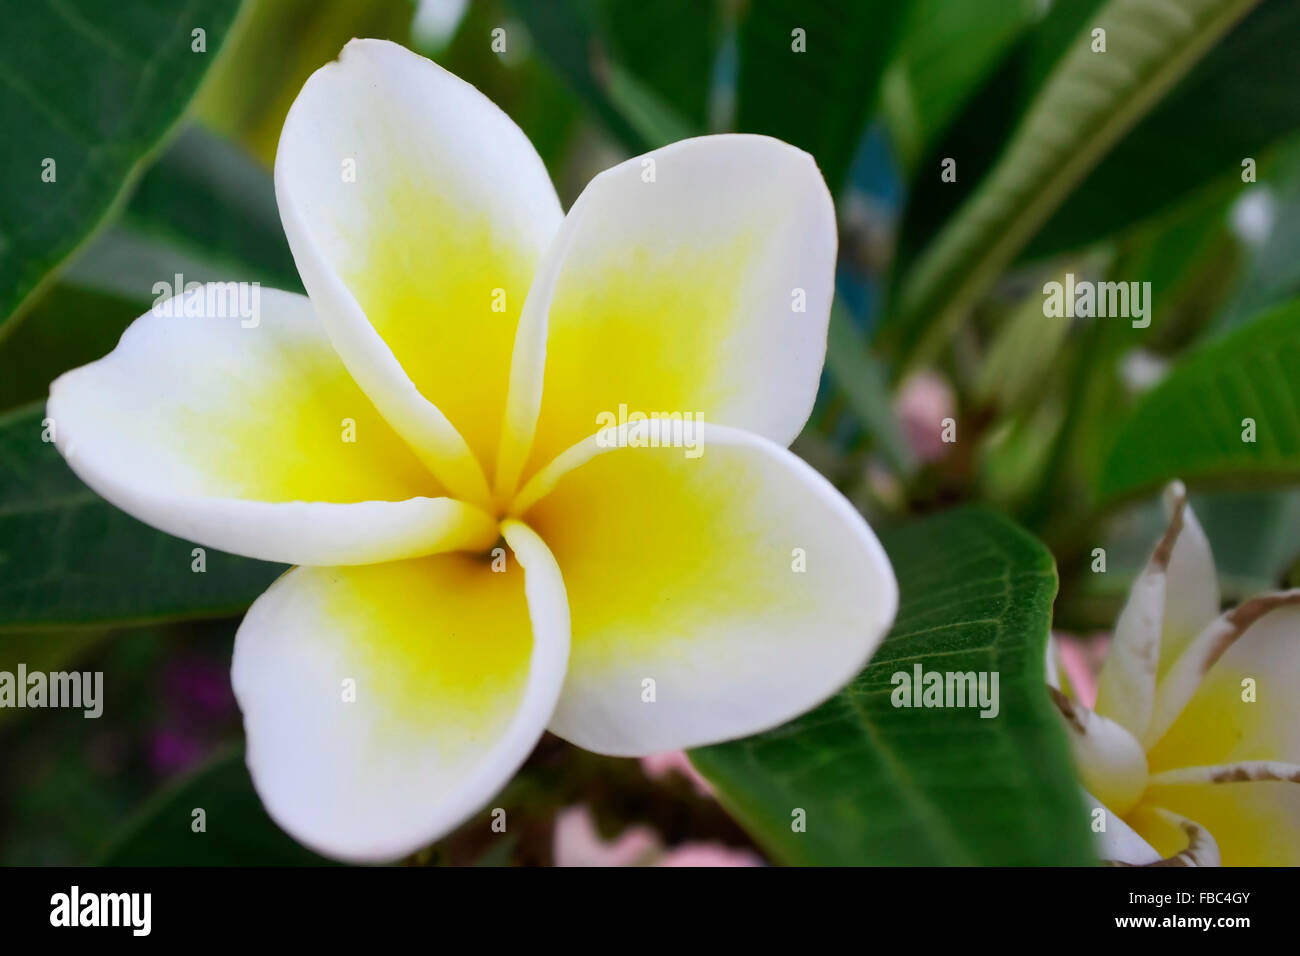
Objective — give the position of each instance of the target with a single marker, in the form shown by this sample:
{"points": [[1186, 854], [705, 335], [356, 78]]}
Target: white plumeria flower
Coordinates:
{"points": [[1192, 753], [649, 600]]}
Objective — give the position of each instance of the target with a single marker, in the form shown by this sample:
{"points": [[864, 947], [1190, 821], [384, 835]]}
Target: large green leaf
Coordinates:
{"points": [[237, 831], [204, 210], [42, 651], [882, 784], [1271, 271], [1243, 90], [670, 46], [818, 99], [68, 558], [864, 382], [1086, 104], [570, 36], [946, 52], [92, 87], [207, 199], [1239, 90], [1191, 425], [275, 46], [66, 327]]}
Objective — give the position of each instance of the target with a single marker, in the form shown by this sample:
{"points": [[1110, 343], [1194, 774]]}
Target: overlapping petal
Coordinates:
{"points": [[1253, 643], [1245, 709], [1180, 840], [712, 597], [235, 435], [696, 278], [1192, 584], [1126, 687], [417, 212], [1117, 842], [384, 704]]}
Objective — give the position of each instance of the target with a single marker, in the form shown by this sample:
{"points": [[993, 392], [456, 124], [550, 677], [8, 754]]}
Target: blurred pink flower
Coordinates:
{"points": [[577, 843], [923, 401], [658, 766], [1081, 659], [197, 707], [708, 854], [201, 687], [172, 751]]}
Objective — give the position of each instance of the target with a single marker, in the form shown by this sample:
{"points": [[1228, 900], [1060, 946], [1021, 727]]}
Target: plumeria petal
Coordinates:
{"points": [[696, 278], [1126, 686], [1259, 639], [417, 212], [1116, 841], [1053, 666], [1254, 824], [453, 669], [234, 437], [1110, 760], [1185, 842], [1191, 584], [1243, 771], [1073, 664], [1243, 716], [712, 597]]}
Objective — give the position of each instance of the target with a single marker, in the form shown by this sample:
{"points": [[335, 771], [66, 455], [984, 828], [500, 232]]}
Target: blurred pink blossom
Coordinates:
{"points": [[172, 751], [923, 401], [577, 843], [708, 854], [1081, 660], [658, 766]]}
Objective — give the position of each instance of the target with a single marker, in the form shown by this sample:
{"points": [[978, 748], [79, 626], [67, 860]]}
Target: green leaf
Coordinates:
{"points": [[1087, 103], [890, 785], [66, 327], [819, 99], [42, 651], [274, 47], [569, 35], [530, 91], [984, 125], [204, 210], [1254, 536], [1190, 426], [1238, 90], [1243, 91], [1022, 355], [1271, 272], [865, 385], [947, 51], [669, 47], [70, 559], [125, 72], [207, 199], [238, 831]]}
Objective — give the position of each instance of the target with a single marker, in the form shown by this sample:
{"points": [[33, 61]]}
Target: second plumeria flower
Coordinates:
{"points": [[1191, 754], [477, 560]]}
